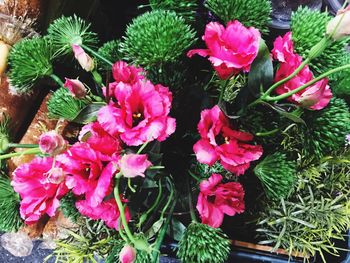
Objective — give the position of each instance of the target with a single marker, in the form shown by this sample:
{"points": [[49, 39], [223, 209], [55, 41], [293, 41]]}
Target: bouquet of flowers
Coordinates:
{"points": [[165, 145]]}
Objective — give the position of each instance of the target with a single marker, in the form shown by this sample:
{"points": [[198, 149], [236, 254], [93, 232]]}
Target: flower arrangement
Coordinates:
{"points": [[255, 134]]}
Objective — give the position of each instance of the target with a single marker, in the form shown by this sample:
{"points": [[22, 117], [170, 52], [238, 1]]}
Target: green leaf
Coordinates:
{"points": [[89, 113], [289, 115], [176, 229]]}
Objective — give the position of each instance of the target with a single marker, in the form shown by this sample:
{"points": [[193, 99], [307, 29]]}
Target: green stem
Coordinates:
{"points": [[222, 91], [161, 235], [97, 55], [121, 233], [57, 79], [19, 145], [142, 147], [168, 202], [121, 210], [30, 151], [130, 186], [156, 167], [190, 202], [322, 76], [282, 81], [268, 133], [195, 177]]}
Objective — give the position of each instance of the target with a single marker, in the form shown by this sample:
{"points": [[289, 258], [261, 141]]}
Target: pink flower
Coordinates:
{"points": [[122, 72], [85, 61], [217, 199], [132, 165], [316, 96], [106, 211], [76, 88], [40, 188], [127, 254], [219, 142], [139, 114], [230, 50], [52, 143]]}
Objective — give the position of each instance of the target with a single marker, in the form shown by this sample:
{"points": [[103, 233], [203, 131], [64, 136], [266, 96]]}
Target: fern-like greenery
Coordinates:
{"points": [[255, 13], [67, 206], [10, 219], [30, 60], [308, 28], [66, 31], [185, 8], [204, 171], [157, 37], [201, 244], [63, 105], [277, 175], [111, 51]]}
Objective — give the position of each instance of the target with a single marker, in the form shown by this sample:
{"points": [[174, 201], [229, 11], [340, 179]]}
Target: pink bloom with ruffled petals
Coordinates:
{"points": [[230, 50], [39, 187], [132, 165], [140, 113], [316, 96], [220, 142], [52, 143], [217, 199]]}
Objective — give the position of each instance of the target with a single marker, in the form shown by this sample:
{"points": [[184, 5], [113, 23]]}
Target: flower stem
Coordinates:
{"points": [[121, 210], [268, 133], [29, 151], [195, 177], [168, 202], [97, 55], [57, 79], [222, 91], [311, 82], [19, 145], [143, 146], [190, 202]]}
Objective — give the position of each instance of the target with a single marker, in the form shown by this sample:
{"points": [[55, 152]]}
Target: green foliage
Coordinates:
{"points": [[67, 205], [10, 219], [202, 243], [63, 105], [326, 129], [277, 174], [30, 60], [4, 133], [66, 31], [232, 87], [308, 28], [204, 171], [156, 37], [254, 13], [111, 51], [340, 82], [141, 256], [185, 8]]}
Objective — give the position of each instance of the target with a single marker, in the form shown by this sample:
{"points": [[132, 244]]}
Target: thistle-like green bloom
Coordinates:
{"points": [[201, 244], [66, 31], [111, 51], [10, 219], [156, 37], [308, 28], [254, 13], [30, 60], [277, 175], [63, 105], [185, 8]]}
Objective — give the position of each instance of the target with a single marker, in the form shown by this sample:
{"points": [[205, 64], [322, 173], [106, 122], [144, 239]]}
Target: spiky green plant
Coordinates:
{"points": [[340, 82], [185, 8], [277, 175], [63, 105], [157, 37], [4, 133], [66, 31], [67, 206], [10, 219], [111, 51], [254, 13], [326, 129], [201, 243], [30, 60], [308, 28]]}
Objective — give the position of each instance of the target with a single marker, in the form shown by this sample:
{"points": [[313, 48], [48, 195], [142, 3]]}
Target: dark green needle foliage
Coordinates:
{"points": [[63, 105], [67, 206], [10, 219], [66, 31], [30, 60], [326, 129], [185, 8], [157, 37], [254, 13], [277, 175], [308, 28], [340, 81], [201, 244], [111, 51]]}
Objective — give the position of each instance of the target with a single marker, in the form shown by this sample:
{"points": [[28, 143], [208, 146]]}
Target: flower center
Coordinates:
{"points": [[211, 199], [220, 139], [137, 118]]}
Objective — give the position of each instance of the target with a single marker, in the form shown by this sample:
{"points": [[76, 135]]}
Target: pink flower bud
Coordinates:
{"points": [[52, 143], [132, 165], [55, 176], [85, 61], [76, 87], [127, 254], [339, 27]]}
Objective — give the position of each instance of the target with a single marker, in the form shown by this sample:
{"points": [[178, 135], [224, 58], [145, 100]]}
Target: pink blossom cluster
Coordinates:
{"points": [[138, 113], [316, 96]]}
